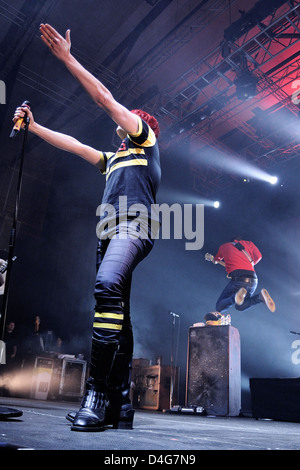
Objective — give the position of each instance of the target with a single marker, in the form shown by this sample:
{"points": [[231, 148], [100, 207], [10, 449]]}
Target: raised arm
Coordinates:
{"points": [[62, 141], [61, 48]]}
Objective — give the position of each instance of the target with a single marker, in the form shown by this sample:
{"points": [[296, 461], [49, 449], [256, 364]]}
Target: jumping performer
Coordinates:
{"points": [[239, 258]]}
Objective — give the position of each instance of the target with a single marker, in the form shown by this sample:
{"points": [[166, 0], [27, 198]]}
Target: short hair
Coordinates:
{"points": [[150, 120]]}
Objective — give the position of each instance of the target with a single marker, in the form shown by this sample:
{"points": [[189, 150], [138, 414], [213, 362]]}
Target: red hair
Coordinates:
{"points": [[150, 120]]}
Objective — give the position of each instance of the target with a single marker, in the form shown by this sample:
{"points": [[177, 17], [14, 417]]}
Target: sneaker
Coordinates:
{"points": [[213, 318], [240, 296], [267, 299]]}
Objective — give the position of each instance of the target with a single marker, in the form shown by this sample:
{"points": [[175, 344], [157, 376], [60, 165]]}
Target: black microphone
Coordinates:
{"points": [[19, 122]]}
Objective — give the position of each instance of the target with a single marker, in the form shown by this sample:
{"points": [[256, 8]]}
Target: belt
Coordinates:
{"points": [[244, 279]]}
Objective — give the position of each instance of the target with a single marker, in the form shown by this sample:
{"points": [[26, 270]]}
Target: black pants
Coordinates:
{"points": [[116, 260]]}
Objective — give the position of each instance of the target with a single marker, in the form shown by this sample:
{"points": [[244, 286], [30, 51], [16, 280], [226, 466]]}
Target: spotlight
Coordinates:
{"points": [[216, 204], [273, 179]]}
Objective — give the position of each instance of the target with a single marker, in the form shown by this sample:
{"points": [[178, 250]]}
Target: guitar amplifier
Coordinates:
{"points": [[152, 386], [213, 379]]}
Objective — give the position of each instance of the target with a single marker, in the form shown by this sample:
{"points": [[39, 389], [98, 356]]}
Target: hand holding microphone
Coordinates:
{"points": [[19, 118]]}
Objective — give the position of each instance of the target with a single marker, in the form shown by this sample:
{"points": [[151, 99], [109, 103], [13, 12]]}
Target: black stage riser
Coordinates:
{"points": [[276, 398]]}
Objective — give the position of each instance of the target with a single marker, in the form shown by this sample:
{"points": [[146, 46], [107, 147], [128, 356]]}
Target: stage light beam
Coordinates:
{"points": [[233, 164], [273, 180]]}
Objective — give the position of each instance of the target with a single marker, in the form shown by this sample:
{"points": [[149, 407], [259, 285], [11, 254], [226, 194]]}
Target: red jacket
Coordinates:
{"points": [[235, 259]]}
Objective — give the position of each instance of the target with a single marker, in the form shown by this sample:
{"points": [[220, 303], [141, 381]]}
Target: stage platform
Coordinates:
{"points": [[43, 426]]}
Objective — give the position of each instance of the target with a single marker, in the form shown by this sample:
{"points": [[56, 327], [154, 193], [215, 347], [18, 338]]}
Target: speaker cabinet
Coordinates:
{"points": [[276, 398], [214, 370]]}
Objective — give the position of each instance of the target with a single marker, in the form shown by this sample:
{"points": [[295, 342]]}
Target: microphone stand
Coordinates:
{"points": [[9, 412], [174, 315]]}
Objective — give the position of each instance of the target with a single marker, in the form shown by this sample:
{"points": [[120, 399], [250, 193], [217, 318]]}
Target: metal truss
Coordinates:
{"points": [[205, 96], [199, 101], [126, 86], [213, 77], [198, 19]]}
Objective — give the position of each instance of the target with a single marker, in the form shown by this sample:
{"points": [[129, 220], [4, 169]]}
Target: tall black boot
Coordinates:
{"points": [[92, 413], [120, 412]]}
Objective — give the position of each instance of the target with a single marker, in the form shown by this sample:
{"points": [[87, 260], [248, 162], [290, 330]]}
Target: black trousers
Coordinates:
{"points": [[116, 260]]}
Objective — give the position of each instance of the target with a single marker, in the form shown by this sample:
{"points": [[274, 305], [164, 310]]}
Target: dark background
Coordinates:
{"points": [[152, 55]]}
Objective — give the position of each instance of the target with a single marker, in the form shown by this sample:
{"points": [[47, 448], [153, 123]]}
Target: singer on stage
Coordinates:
{"points": [[133, 171]]}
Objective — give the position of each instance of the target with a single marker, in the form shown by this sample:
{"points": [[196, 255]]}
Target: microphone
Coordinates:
{"points": [[174, 314], [19, 122]]}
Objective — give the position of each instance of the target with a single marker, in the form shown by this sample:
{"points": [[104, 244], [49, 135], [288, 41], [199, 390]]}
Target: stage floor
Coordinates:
{"points": [[43, 426]]}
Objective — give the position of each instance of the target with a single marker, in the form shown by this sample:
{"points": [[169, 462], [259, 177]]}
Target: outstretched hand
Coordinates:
{"points": [[58, 45]]}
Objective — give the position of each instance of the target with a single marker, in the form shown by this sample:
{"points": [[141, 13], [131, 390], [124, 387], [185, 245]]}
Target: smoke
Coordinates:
{"points": [[17, 383]]}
